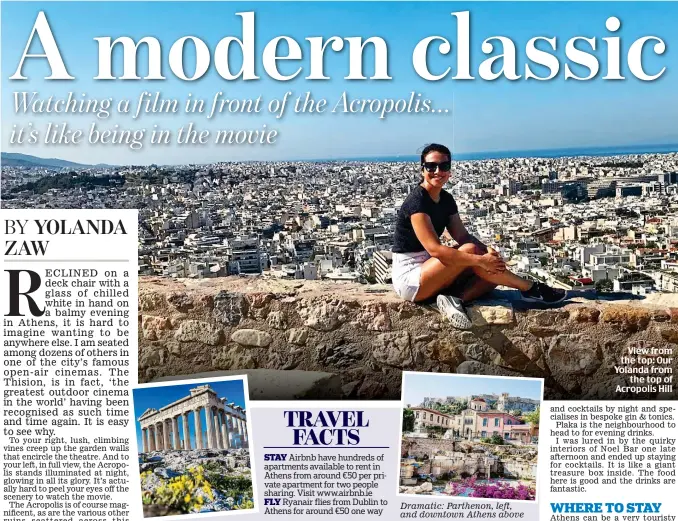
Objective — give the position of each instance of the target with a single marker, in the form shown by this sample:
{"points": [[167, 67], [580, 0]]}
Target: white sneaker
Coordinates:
{"points": [[453, 309]]}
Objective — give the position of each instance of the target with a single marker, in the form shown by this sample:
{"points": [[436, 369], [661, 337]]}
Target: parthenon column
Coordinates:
{"points": [[184, 428], [224, 429], [175, 433], [229, 427], [219, 443], [234, 424], [244, 430], [217, 428], [151, 438], [210, 427], [158, 439], [144, 440], [198, 428], [166, 434]]}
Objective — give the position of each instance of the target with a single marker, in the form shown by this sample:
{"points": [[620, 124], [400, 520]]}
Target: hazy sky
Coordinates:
{"points": [[418, 386], [498, 115]]}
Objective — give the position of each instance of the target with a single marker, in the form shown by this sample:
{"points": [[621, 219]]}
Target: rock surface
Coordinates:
{"points": [[344, 340], [271, 384], [492, 312], [419, 489], [200, 332], [251, 337]]}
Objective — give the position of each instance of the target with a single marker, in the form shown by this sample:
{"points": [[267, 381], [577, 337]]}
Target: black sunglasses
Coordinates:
{"points": [[431, 166]]}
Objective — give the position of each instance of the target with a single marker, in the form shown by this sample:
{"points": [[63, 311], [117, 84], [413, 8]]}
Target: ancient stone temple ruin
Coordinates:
{"points": [[226, 423]]}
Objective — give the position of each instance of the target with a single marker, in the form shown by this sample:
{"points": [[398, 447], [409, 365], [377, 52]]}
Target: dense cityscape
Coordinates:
{"points": [[609, 223]]}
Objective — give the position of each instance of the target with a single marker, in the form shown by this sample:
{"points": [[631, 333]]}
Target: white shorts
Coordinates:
{"points": [[407, 273]]}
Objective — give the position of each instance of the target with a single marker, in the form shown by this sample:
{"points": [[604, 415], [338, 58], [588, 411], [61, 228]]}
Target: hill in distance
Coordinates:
{"points": [[25, 160]]}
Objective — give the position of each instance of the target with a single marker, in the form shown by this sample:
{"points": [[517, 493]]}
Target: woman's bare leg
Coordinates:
{"points": [[475, 288], [472, 287], [503, 278], [435, 277]]}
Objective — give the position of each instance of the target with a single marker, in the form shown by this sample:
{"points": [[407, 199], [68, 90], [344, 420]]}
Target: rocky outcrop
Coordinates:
{"points": [[366, 336], [424, 488], [266, 384], [466, 458]]}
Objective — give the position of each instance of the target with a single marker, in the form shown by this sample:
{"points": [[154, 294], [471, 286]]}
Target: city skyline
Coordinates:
{"points": [[608, 151], [416, 387], [487, 116]]}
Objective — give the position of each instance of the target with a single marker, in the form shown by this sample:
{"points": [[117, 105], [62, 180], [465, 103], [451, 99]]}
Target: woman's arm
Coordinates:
{"points": [[423, 228], [460, 234]]}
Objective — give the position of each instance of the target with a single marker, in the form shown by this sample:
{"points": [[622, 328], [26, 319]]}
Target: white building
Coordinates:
{"points": [[424, 418], [244, 256]]}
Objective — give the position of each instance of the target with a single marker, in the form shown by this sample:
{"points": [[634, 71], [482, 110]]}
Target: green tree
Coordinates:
{"points": [[435, 431], [532, 417], [453, 408], [408, 420], [494, 440], [604, 285], [516, 412]]}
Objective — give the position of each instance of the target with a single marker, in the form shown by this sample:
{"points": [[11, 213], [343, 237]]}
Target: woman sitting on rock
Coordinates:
{"points": [[423, 268]]}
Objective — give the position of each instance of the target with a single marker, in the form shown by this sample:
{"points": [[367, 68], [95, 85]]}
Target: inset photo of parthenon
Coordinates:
{"points": [[193, 444]]}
